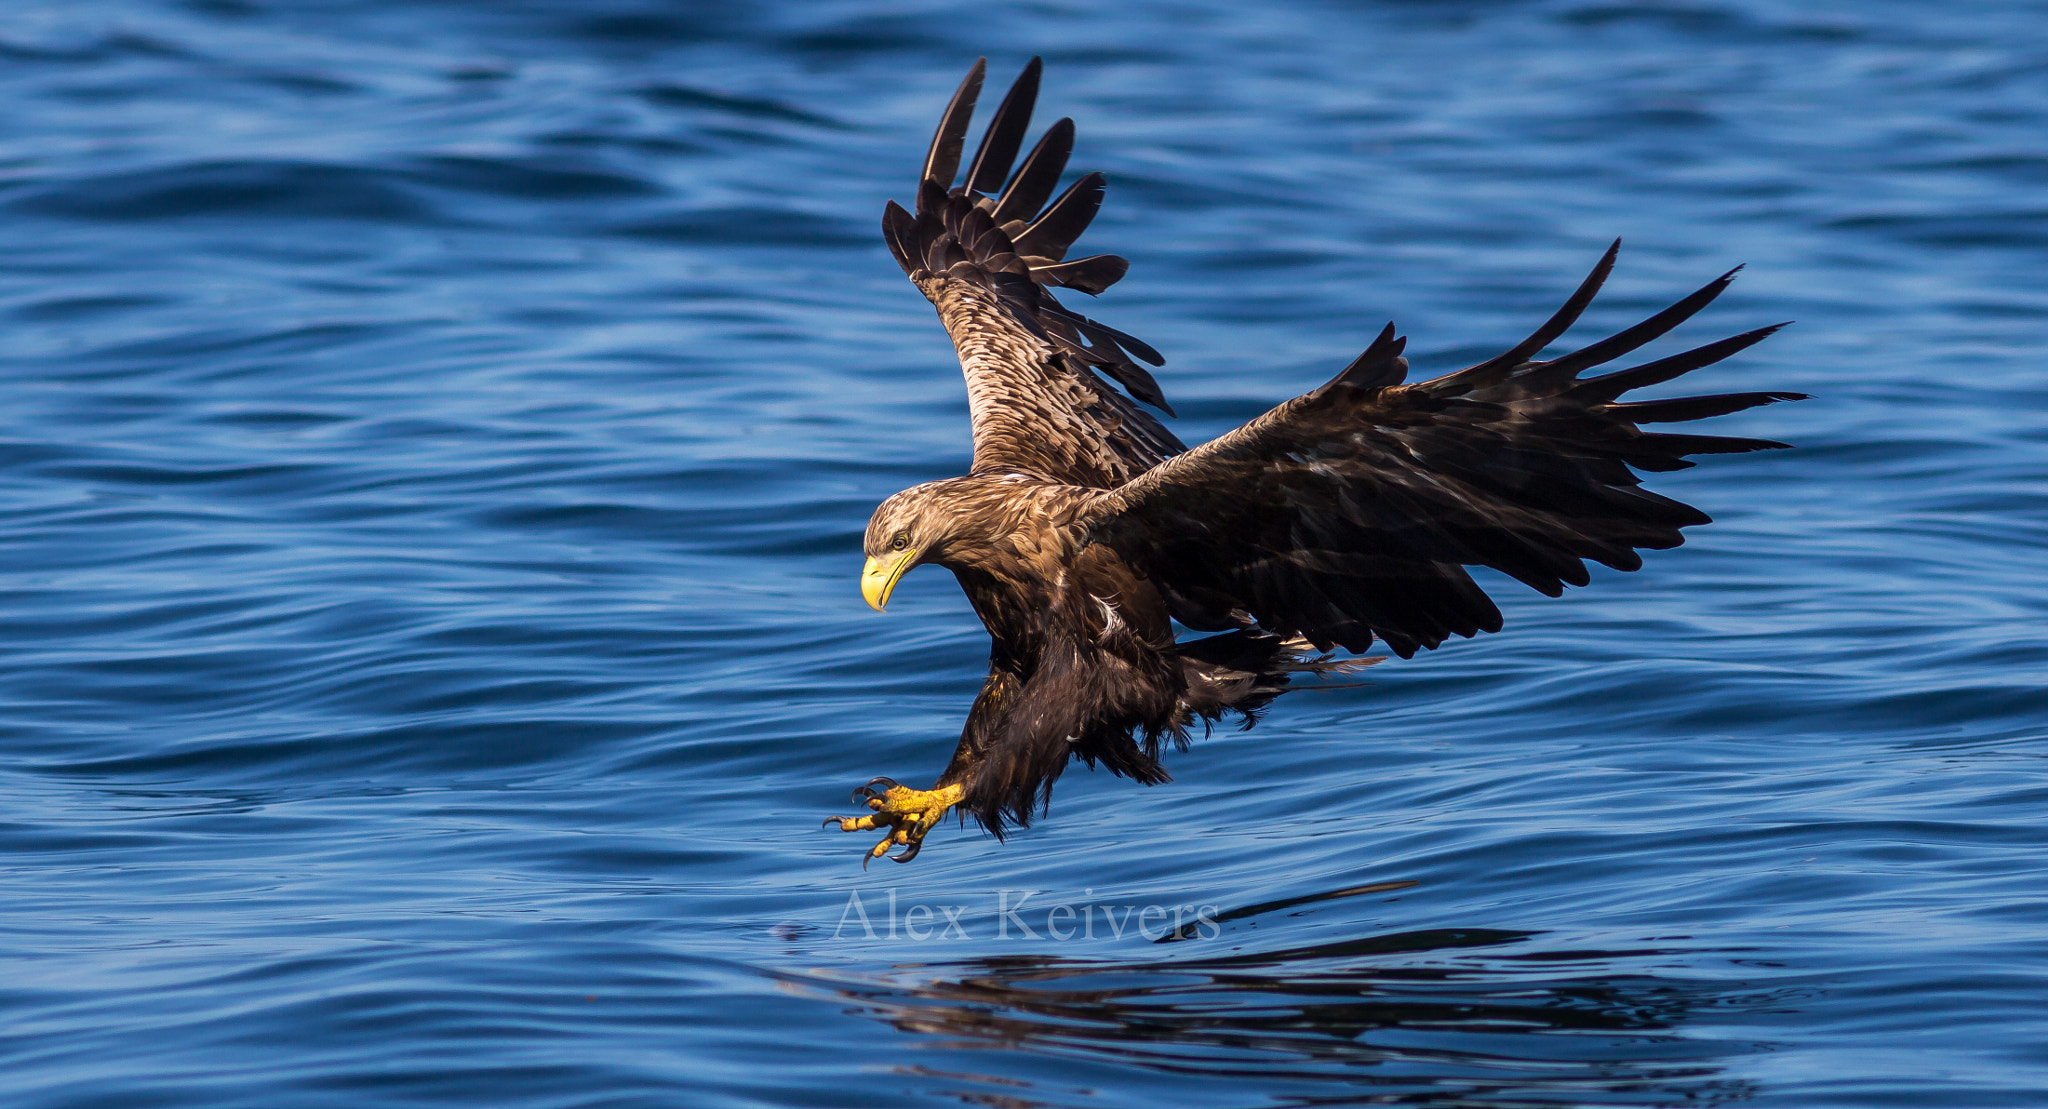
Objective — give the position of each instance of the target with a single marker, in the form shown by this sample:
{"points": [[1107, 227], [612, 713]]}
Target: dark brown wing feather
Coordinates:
{"points": [[1038, 402], [1352, 512]]}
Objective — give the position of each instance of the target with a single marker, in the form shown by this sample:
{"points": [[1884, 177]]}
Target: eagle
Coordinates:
{"points": [[1085, 531]]}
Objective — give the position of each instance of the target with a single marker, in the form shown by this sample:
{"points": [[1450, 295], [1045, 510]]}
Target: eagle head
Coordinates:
{"points": [[939, 521]]}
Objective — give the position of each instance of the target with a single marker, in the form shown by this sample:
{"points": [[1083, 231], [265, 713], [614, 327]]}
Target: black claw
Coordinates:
{"points": [[910, 851], [867, 792]]}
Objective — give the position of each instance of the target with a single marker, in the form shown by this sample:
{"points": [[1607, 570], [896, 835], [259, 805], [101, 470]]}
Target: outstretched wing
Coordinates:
{"points": [[987, 252], [1352, 512]]}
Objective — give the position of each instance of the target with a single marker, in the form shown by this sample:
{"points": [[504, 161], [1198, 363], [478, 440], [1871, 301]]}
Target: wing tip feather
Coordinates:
{"points": [[942, 159], [1378, 366]]}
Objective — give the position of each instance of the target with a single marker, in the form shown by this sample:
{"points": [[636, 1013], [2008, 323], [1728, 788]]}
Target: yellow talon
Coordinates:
{"points": [[908, 814]]}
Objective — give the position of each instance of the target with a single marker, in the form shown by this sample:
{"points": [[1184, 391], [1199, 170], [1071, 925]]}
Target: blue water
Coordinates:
{"points": [[435, 444]]}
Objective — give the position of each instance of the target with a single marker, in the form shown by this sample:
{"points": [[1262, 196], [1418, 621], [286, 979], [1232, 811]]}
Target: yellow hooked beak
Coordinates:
{"points": [[878, 578]]}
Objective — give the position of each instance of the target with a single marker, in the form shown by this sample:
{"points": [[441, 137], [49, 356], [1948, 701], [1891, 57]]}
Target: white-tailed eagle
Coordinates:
{"points": [[1084, 529]]}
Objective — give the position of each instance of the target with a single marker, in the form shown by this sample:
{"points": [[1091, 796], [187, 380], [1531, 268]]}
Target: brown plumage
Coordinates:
{"points": [[1347, 515]]}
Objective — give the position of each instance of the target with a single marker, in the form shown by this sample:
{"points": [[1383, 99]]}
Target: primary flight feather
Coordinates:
{"points": [[1084, 529]]}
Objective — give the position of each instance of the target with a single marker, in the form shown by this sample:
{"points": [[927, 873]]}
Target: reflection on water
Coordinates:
{"points": [[1449, 1016]]}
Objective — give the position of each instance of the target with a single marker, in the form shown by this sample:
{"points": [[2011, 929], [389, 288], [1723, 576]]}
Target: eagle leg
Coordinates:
{"points": [[907, 813]]}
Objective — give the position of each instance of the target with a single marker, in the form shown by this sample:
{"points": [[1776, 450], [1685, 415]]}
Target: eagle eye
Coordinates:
{"points": [[901, 542]]}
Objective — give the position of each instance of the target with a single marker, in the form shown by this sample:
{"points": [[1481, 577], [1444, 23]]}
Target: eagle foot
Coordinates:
{"points": [[907, 814]]}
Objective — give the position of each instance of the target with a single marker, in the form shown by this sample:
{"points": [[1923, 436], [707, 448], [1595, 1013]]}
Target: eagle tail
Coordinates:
{"points": [[1243, 671]]}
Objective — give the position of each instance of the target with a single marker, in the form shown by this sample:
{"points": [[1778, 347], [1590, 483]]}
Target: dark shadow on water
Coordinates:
{"points": [[1460, 1016], [1193, 930]]}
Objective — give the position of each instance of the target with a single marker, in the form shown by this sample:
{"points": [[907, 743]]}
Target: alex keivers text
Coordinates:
{"points": [[1022, 914]]}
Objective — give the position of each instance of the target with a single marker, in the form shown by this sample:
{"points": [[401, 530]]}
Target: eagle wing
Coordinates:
{"points": [[1352, 511], [988, 252]]}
